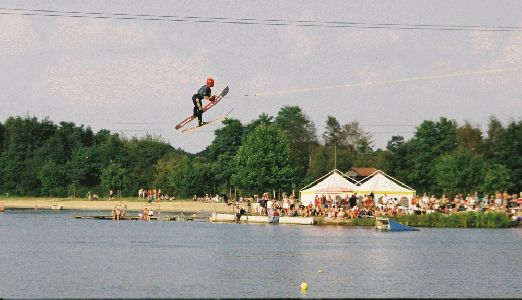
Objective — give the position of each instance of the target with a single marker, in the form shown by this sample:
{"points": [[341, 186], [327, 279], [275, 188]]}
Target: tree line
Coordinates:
{"points": [[279, 153]]}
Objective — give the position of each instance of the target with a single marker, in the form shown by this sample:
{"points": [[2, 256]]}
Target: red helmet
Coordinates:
{"points": [[210, 82]]}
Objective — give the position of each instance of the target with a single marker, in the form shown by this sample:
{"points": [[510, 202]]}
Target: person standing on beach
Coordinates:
{"points": [[269, 207], [239, 211], [292, 203], [286, 204], [262, 204]]}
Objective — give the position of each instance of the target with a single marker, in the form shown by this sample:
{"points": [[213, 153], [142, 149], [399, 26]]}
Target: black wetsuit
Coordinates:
{"points": [[197, 98]]}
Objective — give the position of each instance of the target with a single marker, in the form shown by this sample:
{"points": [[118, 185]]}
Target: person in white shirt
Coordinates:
{"points": [[270, 205], [425, 201], [286, 204]]}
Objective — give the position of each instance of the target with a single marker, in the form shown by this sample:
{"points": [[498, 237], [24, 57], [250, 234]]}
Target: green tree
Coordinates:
{"points": [[18, 166], [221, 152], [496, 178], [52, 176], [263, 161], [2, 138], [52, 149], [110, 147], [470, 138], [114, 177], [506, 150], [263, 119], [301, 134], [359, 145], [87, 137], [332, 135], [83, 169], [325, 159], [2, 147], [431, 139], [458, 172], [355, 138], [191, 177], [70, 136], [322, 162], [164, 168], [142, 157], [494, 135], [376, 159], [396, 157]]}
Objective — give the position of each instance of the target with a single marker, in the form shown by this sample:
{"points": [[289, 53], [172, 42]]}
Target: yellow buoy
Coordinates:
{"points": [[304, 286]]}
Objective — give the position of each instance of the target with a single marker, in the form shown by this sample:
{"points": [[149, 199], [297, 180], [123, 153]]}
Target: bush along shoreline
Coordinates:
{"points": [[459, 220], [436, 220]]}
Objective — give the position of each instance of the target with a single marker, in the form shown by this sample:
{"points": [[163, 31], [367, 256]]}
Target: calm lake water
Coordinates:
{"points": [[49, 254]]}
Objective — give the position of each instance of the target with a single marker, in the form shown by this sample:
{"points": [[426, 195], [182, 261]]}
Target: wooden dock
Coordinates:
{"points": [[187, 218], [106, 217], [192, 218], [261, 219]]}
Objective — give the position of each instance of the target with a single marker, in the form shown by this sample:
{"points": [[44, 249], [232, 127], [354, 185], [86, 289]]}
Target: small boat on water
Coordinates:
{"points": [[57, 207], [387, 224]]}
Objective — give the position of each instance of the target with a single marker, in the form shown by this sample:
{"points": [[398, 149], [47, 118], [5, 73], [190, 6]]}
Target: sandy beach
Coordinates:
{"points": [[132, 205]]}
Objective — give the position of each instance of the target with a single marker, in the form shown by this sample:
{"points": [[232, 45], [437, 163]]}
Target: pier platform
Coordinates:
{"points": [[108, 217], [261, 219]]}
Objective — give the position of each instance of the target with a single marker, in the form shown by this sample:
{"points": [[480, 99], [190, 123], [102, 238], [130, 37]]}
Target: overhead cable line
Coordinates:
{"points": [[254, 21]]}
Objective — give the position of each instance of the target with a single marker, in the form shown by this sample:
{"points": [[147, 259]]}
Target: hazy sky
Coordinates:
{"points": [[120, 74]]}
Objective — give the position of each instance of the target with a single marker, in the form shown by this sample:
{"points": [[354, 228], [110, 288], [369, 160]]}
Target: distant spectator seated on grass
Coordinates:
{"points": [[354, 212], [145, 215], [275, 216]]}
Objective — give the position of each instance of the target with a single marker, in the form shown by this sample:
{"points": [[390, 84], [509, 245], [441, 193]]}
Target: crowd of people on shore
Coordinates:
{"points": [[363, 206], [154, 195]]}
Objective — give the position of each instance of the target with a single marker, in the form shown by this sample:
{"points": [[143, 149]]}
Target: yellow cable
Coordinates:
{"points": [[361, 84]]}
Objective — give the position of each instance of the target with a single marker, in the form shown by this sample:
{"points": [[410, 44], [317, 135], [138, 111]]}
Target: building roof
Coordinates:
{"points": [[382, 183], [333, 181], [356, 171]]}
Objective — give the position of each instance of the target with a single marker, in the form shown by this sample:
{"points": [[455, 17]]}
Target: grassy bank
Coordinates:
{"points": [[458, 220], [437, 220], [345, 222]]}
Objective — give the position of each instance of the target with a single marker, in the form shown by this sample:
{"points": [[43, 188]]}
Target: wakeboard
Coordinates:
{"points": [[214, 121]]}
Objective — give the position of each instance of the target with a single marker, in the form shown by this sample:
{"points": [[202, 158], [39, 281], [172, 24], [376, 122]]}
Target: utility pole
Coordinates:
{"points": [[335, 155]]}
